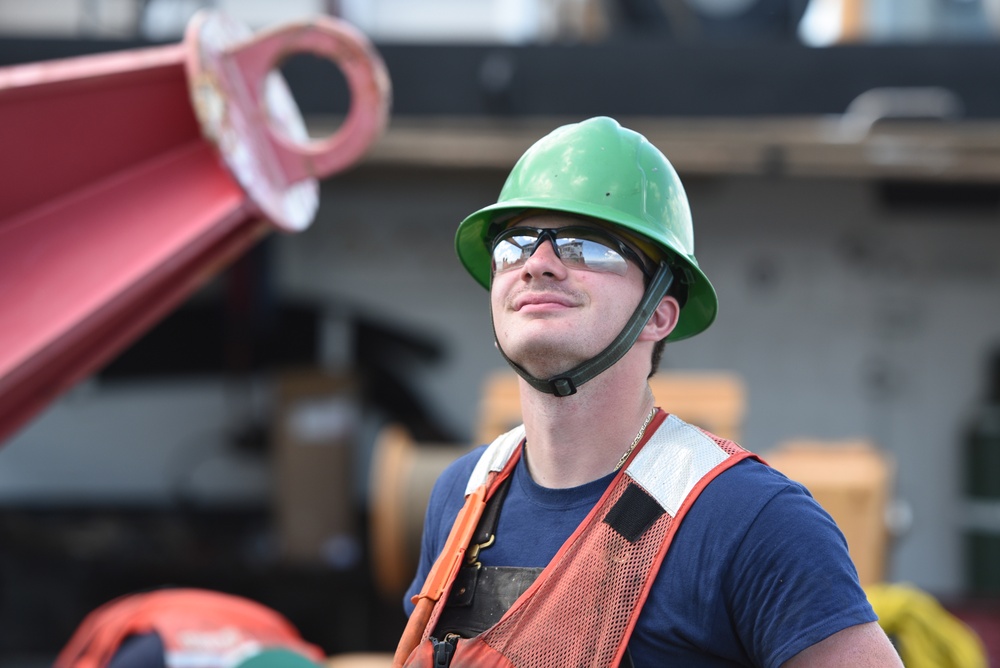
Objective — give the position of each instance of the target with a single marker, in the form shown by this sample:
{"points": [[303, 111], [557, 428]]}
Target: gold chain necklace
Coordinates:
{"points": [[638, 437]]}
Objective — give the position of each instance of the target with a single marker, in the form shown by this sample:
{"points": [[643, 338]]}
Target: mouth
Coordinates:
{"points": [[536, 301]]}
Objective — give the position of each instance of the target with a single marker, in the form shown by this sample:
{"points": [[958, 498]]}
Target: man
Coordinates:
{"points": [[605, 531]]}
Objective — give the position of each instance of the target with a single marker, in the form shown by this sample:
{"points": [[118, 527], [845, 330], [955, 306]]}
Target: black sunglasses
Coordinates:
{"points": [[577, 247]]}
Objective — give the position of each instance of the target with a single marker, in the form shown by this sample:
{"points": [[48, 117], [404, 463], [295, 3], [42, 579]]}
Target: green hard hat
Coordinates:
{"points": [[599, 169]]}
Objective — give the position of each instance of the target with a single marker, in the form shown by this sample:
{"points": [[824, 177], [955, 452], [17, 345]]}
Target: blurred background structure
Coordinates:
{"points": [[842, 158]]}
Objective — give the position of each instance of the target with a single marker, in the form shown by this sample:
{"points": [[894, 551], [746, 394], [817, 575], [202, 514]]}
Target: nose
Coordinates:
{"points": [[544, 262]]}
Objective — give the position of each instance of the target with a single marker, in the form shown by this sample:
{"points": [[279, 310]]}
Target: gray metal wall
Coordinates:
{"points": [[844, 318]]}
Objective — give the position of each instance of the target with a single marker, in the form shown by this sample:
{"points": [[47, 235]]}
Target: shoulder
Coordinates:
{"points": [[458, 471], [758, 502], [447, 496], [755, 521], [781, 578], [743, 506], [449, 488], [750, 486], [446, 499]]}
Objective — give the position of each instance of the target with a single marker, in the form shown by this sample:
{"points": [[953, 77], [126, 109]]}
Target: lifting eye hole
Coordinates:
{"points": [[334, 96]]}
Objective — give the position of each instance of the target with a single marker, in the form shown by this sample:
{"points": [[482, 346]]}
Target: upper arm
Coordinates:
{"points": [[861, 646], [796, 584]]}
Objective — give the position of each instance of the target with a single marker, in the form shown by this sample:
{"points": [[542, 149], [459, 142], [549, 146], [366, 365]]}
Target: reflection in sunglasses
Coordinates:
{"points": [[577, 247]]}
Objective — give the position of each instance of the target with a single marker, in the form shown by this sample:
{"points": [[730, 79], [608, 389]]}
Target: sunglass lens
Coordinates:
{"points": [[512, 252], [592, 255]]}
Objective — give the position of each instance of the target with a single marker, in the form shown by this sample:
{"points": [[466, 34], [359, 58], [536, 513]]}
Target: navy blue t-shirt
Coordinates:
{"points": [[757, 571]]}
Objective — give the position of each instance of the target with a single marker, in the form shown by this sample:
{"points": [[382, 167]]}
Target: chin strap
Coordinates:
{"points": [[565, 384]]}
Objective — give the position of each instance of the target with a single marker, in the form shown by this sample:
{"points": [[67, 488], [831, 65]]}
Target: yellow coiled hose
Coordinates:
{"points": [[925, 634]]}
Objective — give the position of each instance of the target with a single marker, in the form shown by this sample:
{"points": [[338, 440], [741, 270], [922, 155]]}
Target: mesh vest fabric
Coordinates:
{"points": [[583, 607]]}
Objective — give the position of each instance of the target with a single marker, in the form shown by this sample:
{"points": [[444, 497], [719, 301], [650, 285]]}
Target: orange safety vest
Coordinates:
{"points": [[199, 629], [582, 608]]}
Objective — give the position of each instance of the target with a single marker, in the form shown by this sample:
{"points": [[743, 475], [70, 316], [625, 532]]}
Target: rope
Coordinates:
{"points": [[925, 634]]}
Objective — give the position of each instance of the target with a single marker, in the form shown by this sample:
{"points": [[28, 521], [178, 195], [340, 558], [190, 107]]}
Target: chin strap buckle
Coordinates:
{"points": [[562, 387]]}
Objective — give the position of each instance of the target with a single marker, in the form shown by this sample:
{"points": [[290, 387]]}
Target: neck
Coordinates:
{"points": [[574, 440]]}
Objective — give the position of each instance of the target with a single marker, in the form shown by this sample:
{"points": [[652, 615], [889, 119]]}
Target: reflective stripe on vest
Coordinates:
{"points": [[583, 607]]}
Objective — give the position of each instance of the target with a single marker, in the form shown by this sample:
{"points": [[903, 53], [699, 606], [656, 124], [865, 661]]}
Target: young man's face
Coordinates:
{"points": [[551, 314]]}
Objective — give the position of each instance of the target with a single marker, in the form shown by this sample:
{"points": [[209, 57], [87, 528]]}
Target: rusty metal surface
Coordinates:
{"points": [[117, 203]]}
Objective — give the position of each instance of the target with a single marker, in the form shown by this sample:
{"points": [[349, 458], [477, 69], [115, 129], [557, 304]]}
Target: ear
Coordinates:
{"points": [[663, 320]]}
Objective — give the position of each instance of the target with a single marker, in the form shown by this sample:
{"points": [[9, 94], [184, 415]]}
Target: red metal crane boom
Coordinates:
{"points": [[128, 179]]}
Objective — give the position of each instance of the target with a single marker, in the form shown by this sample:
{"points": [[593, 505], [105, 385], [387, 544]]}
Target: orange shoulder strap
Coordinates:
{"points": [[496, 464]]}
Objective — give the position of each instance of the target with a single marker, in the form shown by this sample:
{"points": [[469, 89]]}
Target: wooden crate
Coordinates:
{"points": [[715, 401]]}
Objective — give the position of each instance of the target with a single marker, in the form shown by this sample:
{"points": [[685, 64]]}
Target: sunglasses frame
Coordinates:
{"points": [[585, 233]]}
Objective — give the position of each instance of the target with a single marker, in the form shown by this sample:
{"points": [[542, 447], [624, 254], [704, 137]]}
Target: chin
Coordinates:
{"points": [[544, 361]]}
